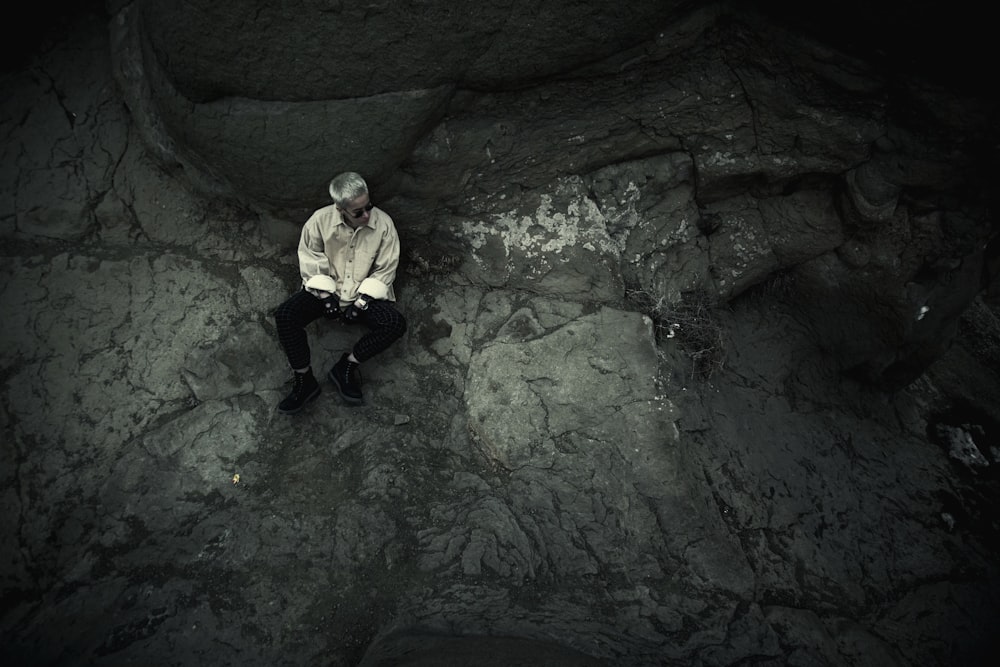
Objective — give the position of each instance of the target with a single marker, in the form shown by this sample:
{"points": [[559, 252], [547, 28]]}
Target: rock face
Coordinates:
{"points": [[354, 52], [702, 366], [721, 151], [263, 95]]}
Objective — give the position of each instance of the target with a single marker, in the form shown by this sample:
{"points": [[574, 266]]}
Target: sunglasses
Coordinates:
{"points": [[361, 211]]}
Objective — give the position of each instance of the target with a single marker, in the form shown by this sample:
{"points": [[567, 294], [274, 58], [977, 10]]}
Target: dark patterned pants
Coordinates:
{"points": [[385, 325]]}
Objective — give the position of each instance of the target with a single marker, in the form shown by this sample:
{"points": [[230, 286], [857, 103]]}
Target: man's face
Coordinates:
{"points": [[357, 211]]}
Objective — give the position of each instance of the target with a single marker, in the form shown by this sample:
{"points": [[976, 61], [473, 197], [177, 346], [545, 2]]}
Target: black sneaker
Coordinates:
{"points": [[304, 389], [347, 376]]}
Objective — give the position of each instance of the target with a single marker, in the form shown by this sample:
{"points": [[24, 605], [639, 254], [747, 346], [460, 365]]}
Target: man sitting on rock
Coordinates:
{"points": [[348, 254]]}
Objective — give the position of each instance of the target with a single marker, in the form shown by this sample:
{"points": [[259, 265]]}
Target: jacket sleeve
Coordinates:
{"points": [[312, 260], [387, 258]]}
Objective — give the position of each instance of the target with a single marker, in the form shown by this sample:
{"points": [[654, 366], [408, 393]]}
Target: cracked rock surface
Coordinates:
{"points": [[720, 388]]}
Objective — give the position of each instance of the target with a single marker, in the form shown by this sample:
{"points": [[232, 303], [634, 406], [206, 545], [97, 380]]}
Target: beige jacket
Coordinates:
{"points": [[329, 246]]}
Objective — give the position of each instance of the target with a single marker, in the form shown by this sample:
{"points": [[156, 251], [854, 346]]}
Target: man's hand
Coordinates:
{"points": [[351, 314], [353, 311], [331, 305]]}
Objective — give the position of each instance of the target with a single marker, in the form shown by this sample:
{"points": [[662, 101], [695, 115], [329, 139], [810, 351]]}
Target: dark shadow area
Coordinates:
{"points": [[36, 25], [948, 43]]}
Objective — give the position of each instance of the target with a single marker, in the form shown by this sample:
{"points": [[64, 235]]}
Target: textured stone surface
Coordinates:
{"points": [[618, 426], [245, 49]]}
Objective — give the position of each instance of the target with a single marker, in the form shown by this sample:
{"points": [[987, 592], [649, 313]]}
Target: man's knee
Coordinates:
{"points": [[290, 312], [282, 314], [400, 325], [396, 325]]}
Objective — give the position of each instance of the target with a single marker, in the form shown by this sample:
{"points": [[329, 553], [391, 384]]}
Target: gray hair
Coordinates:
{"points": [[347, 187]]}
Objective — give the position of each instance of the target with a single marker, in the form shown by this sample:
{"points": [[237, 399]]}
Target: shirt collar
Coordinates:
{"points": [[341, 221]]}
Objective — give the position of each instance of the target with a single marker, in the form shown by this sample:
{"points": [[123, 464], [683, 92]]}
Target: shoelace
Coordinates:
{"points": [[300, 382], [349, 369]]}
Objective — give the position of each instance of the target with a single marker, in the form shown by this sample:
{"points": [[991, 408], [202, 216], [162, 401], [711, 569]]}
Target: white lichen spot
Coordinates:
{"points": [[720, 159], [545, 232]]}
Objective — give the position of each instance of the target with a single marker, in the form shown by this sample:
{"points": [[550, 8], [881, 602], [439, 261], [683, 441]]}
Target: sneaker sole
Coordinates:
{"points": [[309, 399], [350, 400]]}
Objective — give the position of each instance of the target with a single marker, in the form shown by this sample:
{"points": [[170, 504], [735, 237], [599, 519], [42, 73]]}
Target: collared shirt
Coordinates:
{"points": [[329, 246]]}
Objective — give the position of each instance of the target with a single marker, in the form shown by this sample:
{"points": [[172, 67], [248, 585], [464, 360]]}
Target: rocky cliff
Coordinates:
{"points": [[703, 364]]}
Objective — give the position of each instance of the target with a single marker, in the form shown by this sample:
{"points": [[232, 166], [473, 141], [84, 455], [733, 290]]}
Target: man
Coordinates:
{"points": [[348, 255]]}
